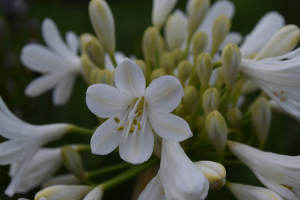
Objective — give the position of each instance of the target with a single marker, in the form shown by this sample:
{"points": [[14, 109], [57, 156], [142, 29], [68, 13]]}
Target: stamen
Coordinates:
{"points": [[131, 114], [139, 126], [288, 187], [139, 113], [282, 92], [127, 123], [120, 128], [283, 98], [163, 192], [131, 129], [117, 119], [134, 122], [275, 93]]}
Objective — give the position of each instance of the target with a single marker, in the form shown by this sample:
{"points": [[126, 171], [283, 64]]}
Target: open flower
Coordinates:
{"points": [[59, 62], [24, 141], [133, 110]]}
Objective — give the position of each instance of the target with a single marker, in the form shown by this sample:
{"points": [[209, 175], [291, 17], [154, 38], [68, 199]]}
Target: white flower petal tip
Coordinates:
{"points": [[279, 109], [95, 194], [160, 11], [65, 179]]}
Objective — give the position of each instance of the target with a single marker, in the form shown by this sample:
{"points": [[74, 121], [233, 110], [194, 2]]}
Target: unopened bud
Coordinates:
{"points": [[178, 56], [214, 172], [84, 38], [167, 63], [184, 71], [190, 96], [234, 118], [87, 67], [221, 28], [161, 44], [210, 100], [199, 43], [200, 124], [261, 118], [161, 10], [142, 65], [282, 42], [204, 68], [182, 111], [105, 77], [95, 194], [231, 64], [157, 73], [103, 24], [95, 52], [150, 43], [216, 128], [94, 76], [196, 11]]}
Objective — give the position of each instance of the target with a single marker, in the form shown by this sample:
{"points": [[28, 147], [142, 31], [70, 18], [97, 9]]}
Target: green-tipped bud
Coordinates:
{"points": [[105, 76], [210, 100], [234, 118], [151, 42], [216, 128], [95, 52], [200, 124], [199, 42], [84, 38], [231, 64], [214, 172], [72, 161], [178, 56], [142, 65], [157, 73], [161, 44], [204, 68], [190, 96], [221, 28], [220, 78], [167, 63], [87, 67], [282, 42], [182, 111], [95, 76], [184, 71], [261, 118], [196, 11]]}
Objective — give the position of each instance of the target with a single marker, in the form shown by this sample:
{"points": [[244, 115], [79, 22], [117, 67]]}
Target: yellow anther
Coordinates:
{"points": [[283, 98], [163, 192], [134, 122], [117, 120], [139, 113], [288, 187], [275, 93], [120, 128], [127, 123], [282, 92], [139, 126], [132, 127]]}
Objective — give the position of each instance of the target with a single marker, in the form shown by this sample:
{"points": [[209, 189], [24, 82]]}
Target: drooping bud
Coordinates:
{"points": [[142, 65], [199, 43], [157, 73], [214, 172], [196, 11], [84, 38], [150, 43], [181, 111], [160, 11], [178, 56], [105, 77], [217, 130], [87, 67], [204, 68], [234, 118], [184, 71], [167, 63], [261, 118], [200, 124], [190, 96], [282, 42], [231, 64], [103, 23], [221, 28], [210, 100], [95, 52]]}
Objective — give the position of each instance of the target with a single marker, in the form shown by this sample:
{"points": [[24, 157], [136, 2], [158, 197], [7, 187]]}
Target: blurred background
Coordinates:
{"points": [[20, 22]]}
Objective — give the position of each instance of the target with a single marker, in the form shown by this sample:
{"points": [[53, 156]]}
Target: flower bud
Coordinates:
{"points": [[95, 52], [150, 43], [231, 64], [167, 63], [87, 67], [214, 172], [200, 124], [184, 71], [220, 30], [105, 76], [84, 38], [234, 118], [199, 43], [220, 78], [261, 118], [94, 76], [196, 11], [157, 73], [161, 44], [142, 65], [178, 56], [190, 96], [160, 11], [204, 68], [216, 128], [282, 42], [182, 111], [103, 24], [95, 194], [210, 100]]}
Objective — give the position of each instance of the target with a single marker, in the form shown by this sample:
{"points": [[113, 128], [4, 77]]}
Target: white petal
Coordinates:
{"points": [[130, 79], [63, 90], [154, 190], [169, 126], [65, 179], [108, 63], [72, 41], [164, 93], [9, 115], [105, 100], [138, 148], [95, 194], [161, 9], [233, 38], [119, 56]]}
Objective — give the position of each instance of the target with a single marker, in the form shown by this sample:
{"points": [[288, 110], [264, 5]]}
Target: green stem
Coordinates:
{"points": [[225, 101], [202, 137], [232, 162], [261, 146], [112, 57], [199, 106], [217, 64], [83, 147], [148, 73], [186, 52], [80, 130], [221, 158], [239, 135], [108, 169]]}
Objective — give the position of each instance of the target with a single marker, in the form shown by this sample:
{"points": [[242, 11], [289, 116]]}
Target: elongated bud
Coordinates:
{"points": [[190, 96], [157, 73], [196, 11], [87, 67], [178, 56], [261, 118], [150, 43], [184, 71], [94, 76], [105, 77], [234, 118], [95, 52], [282, 42], [204, 68], [220, 78], [231, 64], [160, 11], [199, 42], [142, 65], [167, 63], [182, 111], [84, 38], [221, 28], [211, 100], [161, 44], [217, 130], [103, 24], [214, 172], [200, 124]]}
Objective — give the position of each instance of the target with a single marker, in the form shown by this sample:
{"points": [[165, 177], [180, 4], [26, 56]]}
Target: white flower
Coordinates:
{"points": [[95, 194], [41, 167], [65, 179], [59, 61], [248, 192], [160, 11], [178, 177], [279, 109], [131, 110], [119, 56], [23, 141], [278, 77]]}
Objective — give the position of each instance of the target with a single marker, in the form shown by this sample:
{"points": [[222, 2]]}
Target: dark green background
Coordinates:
{"points": [[132, 17]]}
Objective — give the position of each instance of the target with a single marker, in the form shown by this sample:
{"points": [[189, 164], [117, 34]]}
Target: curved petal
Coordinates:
{"points": [[233, 38], [130, 79], [154, 190], [169, 126], [63, 90], [105, 100], [164, 93], [72, 42], [119, 56], [108, 63], [138, 148]]}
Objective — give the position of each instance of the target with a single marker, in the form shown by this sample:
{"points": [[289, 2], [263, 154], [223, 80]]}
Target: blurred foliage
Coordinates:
{"points": [[20, 22]]}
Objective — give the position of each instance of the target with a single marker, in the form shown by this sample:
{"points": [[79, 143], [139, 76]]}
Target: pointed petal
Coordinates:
{"points": [[7, 113], [154, 190], [72, 42], [169, 126], [105, 100], [63, 90], [130, 79], [138, 148], [164, 93]]}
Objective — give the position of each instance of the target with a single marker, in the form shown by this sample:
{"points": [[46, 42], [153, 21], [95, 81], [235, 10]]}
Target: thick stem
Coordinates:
{"points": [[80, 130], [108, 169], [225, 101], [187, 48]]}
